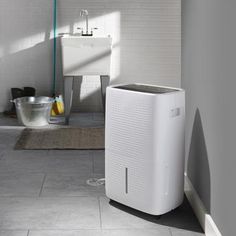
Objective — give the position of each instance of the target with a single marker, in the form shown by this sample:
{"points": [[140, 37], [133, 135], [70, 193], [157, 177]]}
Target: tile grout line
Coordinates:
{"points": [[100, 212], [3, 153], [48, 152], [93, 165], [46, 197], [84, 229], [41, 190], [170, 231]]}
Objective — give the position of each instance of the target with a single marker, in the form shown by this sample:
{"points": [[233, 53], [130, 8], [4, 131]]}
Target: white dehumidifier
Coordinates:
{"points": [[144, 147]]}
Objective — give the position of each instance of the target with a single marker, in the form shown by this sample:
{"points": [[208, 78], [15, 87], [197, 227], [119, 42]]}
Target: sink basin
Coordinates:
{"points": [[86, 55]]}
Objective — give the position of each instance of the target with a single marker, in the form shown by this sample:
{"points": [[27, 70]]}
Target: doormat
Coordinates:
{"points": [[62, 138]]}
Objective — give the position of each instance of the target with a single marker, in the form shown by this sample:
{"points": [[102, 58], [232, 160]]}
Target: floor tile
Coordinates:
{"points": [[6, 121], [71, 186], [76, 119], [44, 162], [66, 233], [2, 152], [8, 138], [24, 162], [125, 232], [137, 232], [68, 161], [49, 213], [86, 120], [13, 233], [13, 154], [18, 185], [99, 162], [98, 117], [114, 218], [71, 153], [67, 206], [177, 232], [181, 218]]}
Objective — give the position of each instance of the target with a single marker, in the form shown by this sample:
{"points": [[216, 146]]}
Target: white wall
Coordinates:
{"points": [[209, 77], [146, 35]]}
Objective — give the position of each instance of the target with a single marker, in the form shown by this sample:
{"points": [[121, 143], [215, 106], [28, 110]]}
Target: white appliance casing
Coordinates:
{"points": [[144, 149]]}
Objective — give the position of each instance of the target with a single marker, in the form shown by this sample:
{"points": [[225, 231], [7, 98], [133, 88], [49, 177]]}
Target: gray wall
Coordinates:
{"points": [[146, 34], [209, 77], [25, 47]]}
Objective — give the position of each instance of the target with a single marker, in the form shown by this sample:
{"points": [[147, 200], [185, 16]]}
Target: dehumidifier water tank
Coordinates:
{"points": [[144, 147]]}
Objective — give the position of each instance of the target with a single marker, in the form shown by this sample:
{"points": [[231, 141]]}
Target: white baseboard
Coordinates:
{"points": [[203, 217]]}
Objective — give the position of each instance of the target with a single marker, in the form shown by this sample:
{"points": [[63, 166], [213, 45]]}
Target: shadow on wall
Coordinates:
{"points": [[26, 55], [32, 66], [198, 169], [36, 61], [91, 101]]}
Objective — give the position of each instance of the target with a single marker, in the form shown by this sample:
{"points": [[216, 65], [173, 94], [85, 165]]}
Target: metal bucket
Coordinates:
{"points": [[33, 111]]}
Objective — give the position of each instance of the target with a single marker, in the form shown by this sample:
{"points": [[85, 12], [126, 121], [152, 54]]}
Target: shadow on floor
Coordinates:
{"points": [[182, 217]]}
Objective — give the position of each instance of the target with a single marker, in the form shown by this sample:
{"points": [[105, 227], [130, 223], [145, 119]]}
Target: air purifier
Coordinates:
{"points": [[144, 147]]}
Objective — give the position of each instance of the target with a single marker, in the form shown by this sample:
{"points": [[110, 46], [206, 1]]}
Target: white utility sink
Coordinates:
{"points": [[86, 55]]}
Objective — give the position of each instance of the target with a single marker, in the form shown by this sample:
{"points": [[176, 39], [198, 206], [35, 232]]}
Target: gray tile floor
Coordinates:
{"points": [[44, 193]]}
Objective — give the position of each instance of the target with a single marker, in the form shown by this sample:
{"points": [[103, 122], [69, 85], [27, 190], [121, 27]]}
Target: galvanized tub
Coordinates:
{"points": [[33, 111]]}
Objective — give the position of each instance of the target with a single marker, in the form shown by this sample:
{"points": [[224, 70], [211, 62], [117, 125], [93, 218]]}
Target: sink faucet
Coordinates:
{"points": [[84, 13]]}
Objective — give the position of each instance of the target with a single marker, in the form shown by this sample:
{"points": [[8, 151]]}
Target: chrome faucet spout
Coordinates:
{"points": [[87, 24], [84, 13]]}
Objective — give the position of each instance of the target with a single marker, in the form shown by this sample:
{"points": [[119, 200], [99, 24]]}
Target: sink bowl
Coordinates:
{"points": [[86, 55]]}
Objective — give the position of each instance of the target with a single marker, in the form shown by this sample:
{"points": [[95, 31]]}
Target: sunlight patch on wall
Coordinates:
{"points": [[107, 24], [25, 43]]}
